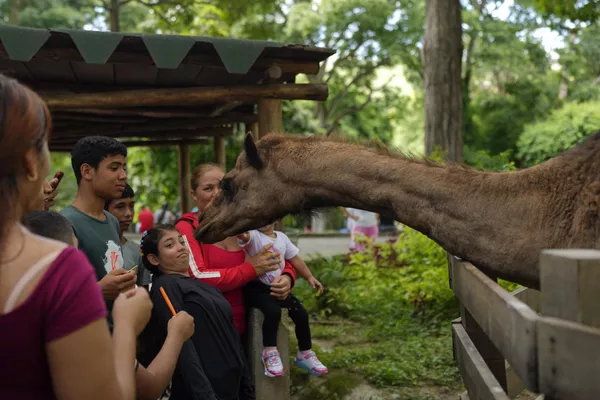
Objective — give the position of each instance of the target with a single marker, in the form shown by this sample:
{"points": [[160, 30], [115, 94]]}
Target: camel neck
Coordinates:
{"points": [[474, 215]]}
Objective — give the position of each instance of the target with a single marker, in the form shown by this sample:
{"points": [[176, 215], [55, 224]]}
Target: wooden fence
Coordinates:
{"points": [[546, 341]]}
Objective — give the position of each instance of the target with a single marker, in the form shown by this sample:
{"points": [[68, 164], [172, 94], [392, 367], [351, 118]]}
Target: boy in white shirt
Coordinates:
{"points": [[257, 294]]}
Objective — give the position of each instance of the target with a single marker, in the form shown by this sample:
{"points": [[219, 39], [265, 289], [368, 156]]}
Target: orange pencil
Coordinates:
{"points": [[164, 295]]}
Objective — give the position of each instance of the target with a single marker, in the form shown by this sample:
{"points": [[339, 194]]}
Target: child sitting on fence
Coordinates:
{"points": [[257, 295]]}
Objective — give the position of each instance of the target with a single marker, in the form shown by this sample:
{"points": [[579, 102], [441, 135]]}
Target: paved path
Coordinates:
{"points": [[312, 246], [326, 246]]}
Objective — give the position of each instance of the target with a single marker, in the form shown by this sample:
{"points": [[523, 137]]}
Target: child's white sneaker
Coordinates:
{"points": [[308, 361], [272, 363]]}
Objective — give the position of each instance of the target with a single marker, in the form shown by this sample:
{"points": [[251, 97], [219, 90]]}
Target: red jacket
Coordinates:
{"points": [[146, 220], [226, 270]]}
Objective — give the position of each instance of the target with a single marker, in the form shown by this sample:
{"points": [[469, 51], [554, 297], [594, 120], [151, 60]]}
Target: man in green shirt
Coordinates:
{"points": [[100, 167]]}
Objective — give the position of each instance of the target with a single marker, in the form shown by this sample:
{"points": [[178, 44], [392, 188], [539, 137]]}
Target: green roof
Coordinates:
{"points": [[64, 62], [22, 47]]}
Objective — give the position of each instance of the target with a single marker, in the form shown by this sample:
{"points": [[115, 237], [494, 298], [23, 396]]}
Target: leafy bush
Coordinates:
{"points": [[562, 130]]}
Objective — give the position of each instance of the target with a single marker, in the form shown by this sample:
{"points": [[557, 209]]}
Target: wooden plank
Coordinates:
{"points": [[531, 297], [488, 351], [514, 384], [570, 280], [509, 323], [569, 360], [480, 382]]}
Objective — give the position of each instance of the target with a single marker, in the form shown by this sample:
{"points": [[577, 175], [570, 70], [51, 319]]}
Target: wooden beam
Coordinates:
{"points": [[187, 96], [220, 155], [68, 146], [161, 135], [158, 113], [270, 118], [184, 177], [56, 117], [224, 108], [158, 129]]}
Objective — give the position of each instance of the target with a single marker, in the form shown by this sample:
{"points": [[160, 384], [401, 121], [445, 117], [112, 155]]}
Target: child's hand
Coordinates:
{"points": [[316, 284], [244, 237]]}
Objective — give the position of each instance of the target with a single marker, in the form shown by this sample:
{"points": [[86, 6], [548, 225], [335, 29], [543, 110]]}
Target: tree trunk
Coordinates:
{"points": [[114, 16], [443, 98]]}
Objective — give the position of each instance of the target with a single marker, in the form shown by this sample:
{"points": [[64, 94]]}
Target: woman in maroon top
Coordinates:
{"points": [[55, 341], [224, 265]]}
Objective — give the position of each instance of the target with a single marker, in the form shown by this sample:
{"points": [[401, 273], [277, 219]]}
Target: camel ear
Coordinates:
{"points": [[252, 153]]}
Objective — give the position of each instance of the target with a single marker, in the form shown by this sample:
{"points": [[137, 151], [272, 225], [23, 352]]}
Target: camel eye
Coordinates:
{"points": [[228, 187]]}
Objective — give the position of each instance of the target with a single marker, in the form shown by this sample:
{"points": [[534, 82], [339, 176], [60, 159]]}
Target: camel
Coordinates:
{"points": [[499, 221]]}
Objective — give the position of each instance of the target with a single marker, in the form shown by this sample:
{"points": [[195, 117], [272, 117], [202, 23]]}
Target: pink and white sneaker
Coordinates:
{"points": [[308, 361], [272, 363]]}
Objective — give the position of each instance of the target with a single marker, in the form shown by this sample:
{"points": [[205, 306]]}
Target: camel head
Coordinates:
{"points": [[253, 194]]}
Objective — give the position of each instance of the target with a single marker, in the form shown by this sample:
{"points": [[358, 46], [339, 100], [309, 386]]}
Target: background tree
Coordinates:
{"points": [[442, 51]]}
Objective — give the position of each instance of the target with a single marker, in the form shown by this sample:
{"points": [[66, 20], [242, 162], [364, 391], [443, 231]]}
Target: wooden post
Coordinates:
{"points": [[220, 157], [184, 177], [277, 388], [270, 119], [569, 281], [254, 130]]}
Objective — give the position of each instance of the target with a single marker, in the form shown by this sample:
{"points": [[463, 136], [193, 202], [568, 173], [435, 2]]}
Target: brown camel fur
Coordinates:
{"points": [[499, 221]]}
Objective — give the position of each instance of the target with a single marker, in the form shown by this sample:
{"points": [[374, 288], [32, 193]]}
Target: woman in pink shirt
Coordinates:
{"points": [[55, 340]]}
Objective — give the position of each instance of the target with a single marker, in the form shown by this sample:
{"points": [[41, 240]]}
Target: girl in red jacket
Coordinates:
{"points": [[224, 265]]}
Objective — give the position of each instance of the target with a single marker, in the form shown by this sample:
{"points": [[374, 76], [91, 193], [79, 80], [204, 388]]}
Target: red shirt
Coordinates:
{"points": [[226, 270], [66, 299], [146, 220]]}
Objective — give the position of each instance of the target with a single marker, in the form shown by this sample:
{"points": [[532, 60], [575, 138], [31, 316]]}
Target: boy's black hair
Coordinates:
{"points": [[92, 150], [49, 224], [149, 245], [127, 193]]}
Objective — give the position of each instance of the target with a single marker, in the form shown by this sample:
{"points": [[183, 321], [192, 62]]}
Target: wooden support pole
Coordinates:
{"points": [[220, 155], [270, 118], [184, 178], [568, 353], [254, 129], [190, 96]]}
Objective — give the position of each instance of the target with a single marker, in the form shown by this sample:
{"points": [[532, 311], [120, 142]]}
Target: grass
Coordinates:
{"points": [[387, 327]]}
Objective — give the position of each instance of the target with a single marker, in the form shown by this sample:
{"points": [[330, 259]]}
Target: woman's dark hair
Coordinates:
{"points": [[149, 245], [25, 123]]}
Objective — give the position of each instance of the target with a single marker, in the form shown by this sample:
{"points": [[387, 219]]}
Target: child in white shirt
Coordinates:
{"points": [[257, 294]]}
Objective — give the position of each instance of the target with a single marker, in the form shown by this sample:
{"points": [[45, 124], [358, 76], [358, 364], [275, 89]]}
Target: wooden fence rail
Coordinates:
{"points": [[556, 353]]}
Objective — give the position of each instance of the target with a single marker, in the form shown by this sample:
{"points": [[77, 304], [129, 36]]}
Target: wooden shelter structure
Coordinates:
{"points": [[159, 90]]}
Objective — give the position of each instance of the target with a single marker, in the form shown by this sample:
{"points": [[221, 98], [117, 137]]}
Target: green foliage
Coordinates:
{"points": [[68, 185], [574, 10], [563, 129], [399, 292], [482, 160]]}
